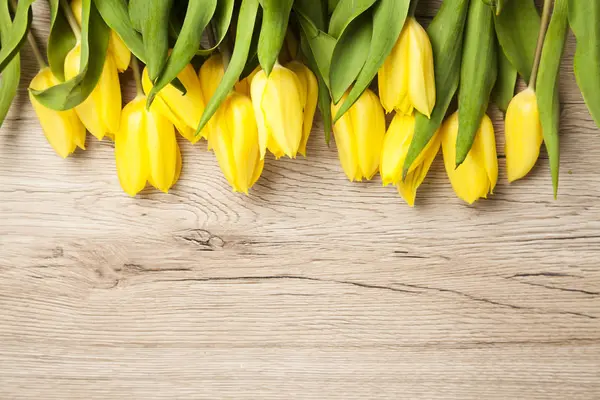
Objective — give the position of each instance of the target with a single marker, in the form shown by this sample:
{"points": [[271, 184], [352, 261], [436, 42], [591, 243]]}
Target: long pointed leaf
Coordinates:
{"points": [[116, 15], [517, 28], [276, 14], [9, 82], [388, 20], [479, 68], [345, 12], [547, 85], [504, 90], [584, 18], [17, 34], [349, 55], [446, 35], [94, 45], [198, 16], [245, 28], [60, 42]]}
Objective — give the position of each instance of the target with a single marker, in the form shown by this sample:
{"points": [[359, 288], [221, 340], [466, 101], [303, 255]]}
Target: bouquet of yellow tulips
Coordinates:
{"points": [[248, 76]]}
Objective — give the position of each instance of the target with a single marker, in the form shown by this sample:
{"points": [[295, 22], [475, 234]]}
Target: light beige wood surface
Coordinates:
{"points": [[311, 287]]}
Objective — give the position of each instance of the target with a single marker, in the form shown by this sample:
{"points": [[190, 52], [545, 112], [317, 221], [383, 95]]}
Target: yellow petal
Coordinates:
{"points": [[119, 51], [178, 166], [130, 147], [100, 112], [116, 47], [162, 149], [257, 89], [210, 74], [422, 79], [343, 133], [221, 142], [183, 111], [244, 140], [393, 76], [471, 180], [395, 147], [523, 133], [110, 95], [416, 176], [487, 143], [282, 106], [63, 129], [368, 122], [310, 86]]}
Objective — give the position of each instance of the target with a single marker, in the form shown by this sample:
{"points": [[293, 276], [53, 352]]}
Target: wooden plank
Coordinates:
{"points": [[311, 287]]}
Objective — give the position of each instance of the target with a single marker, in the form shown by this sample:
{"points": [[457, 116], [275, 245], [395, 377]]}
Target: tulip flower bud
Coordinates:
{"points": [[118, 49], [280, 102], [523, 133], [101, 111], [234, 139], [406, 78], [146, 149], [395, 148], [63, 129], [359, 136], [478, 174], [183, 110]]}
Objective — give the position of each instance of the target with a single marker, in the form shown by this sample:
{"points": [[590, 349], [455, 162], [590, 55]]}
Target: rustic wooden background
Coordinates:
{"points": [[312, 287]]}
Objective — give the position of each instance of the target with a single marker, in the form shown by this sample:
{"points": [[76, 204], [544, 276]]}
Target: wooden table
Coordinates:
{"points": [[311, 287]]}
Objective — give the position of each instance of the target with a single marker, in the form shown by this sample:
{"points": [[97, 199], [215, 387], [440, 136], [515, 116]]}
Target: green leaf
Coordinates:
{"points": [[388, 19], [60, 41], [9, 81], [349, 55], [94, 45], [547, 84], [331, 5], [245, 28], [199, 14], [517, 28], [320, 43], [313, 11], [153, 19], [116, 16], [17, 34], [276, 14], [446, 35], [504, 90], [584, 17], [221, 22], [345, 12], [478, 72], [324, 99]]}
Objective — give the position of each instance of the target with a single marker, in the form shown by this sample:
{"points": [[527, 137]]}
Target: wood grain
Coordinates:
{"points": [[309, 288]]}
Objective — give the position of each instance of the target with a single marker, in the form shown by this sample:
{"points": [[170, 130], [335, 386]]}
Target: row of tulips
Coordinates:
{"points": [[261, 95], [276, 113]]}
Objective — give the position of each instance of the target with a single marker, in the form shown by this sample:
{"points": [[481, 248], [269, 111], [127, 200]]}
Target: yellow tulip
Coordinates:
{"points": [[101, 111], [523, 133], [184, 111], [406, 78], [478, 174], [359, 135], [118, 49], [63, 129], [395, 148], [211, 73], [146, 149], [234, 138], [283, 109]]}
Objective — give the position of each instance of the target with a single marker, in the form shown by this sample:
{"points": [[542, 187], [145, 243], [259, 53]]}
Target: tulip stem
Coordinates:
{"points": [[36, 51], [32, 43], [413, 7], [71, 19], [135, 66], [540, 43]]}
